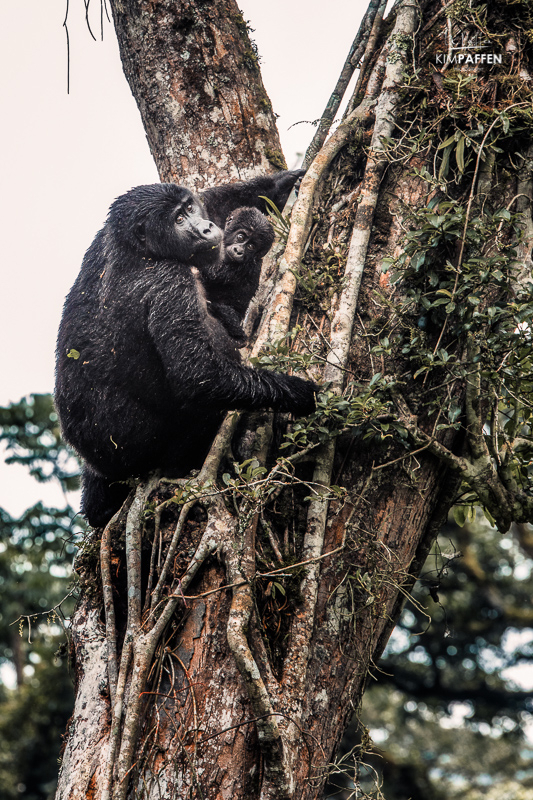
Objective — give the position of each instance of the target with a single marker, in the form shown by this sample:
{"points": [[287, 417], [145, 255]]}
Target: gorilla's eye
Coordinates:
{"points": [[240, 237], [250, 246], [180, 218], [189, 208]]}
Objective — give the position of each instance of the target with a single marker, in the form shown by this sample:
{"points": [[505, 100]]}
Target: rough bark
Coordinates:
{"points": [[195, 76], [251, 646]]}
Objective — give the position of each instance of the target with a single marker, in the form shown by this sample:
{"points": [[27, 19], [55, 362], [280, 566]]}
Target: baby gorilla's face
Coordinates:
{"points": [[247, 235], [238, 244]]}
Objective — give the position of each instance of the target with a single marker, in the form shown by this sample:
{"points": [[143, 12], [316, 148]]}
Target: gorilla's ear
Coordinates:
{"points": [[140, 233]]}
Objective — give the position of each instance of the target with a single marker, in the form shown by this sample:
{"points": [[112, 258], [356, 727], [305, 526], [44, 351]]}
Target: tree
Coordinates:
{"points": [[445, 709], [244, 606], [36, 576]]}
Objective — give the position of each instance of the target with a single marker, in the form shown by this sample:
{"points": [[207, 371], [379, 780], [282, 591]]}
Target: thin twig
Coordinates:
{"points": [[352, 60], [370, 49], [109, 607]]}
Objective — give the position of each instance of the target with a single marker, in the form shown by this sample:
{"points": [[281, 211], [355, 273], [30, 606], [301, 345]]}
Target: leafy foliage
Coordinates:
{"points": [[36, 578], [465, 311], [32, 721], [446, 710], [30, 431]]}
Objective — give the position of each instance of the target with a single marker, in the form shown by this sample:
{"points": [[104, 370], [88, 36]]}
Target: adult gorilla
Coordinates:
{"points": [[144, 370]]}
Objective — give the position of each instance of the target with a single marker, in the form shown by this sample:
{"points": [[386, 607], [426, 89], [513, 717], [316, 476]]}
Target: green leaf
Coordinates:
{"points": [[418, 259], [489, 516], [72, 353], [503, 213], [460, 154], [420, 371], [459, 515], [443, 171], [447, 142], [454, 413]]}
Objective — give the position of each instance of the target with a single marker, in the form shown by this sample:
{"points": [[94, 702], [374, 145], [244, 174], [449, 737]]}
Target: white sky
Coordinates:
{"points": [[66, 157]]}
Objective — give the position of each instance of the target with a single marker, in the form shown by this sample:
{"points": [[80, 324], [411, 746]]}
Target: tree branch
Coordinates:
{"points": [[375, 8], [341, 332]]}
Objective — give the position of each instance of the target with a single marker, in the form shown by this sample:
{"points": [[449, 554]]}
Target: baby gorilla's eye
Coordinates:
{"points": [[240, 237], [250, 246]]}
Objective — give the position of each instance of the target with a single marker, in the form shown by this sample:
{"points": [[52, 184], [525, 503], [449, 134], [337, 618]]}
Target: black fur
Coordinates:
{"points": [[144, 371], [220, 201], [231, 282]]}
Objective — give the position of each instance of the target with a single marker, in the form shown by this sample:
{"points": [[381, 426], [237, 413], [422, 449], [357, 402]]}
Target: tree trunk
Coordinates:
{"points": [[266, 601], [195, 76]]}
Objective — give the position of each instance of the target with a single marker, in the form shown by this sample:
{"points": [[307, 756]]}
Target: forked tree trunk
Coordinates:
{"points": [[195, 76], [238, 630]]}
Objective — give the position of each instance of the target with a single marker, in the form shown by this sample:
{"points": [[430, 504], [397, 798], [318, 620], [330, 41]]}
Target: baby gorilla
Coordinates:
{"points": [[144, 371], [231, 282]]}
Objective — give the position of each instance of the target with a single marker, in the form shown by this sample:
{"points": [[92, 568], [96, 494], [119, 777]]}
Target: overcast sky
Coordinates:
{"points": [[66, 157]]}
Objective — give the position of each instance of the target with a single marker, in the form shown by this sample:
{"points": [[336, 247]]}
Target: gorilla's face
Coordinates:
{"points": [[166, 221], [185, 235]]}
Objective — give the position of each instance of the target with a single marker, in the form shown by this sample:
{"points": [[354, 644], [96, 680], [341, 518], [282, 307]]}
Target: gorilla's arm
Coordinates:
{"points": [[198, 368], [231, 320], [220, 201]]}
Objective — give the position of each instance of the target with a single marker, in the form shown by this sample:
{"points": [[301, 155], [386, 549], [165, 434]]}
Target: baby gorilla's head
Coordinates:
{"points": [[247, 235]]}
